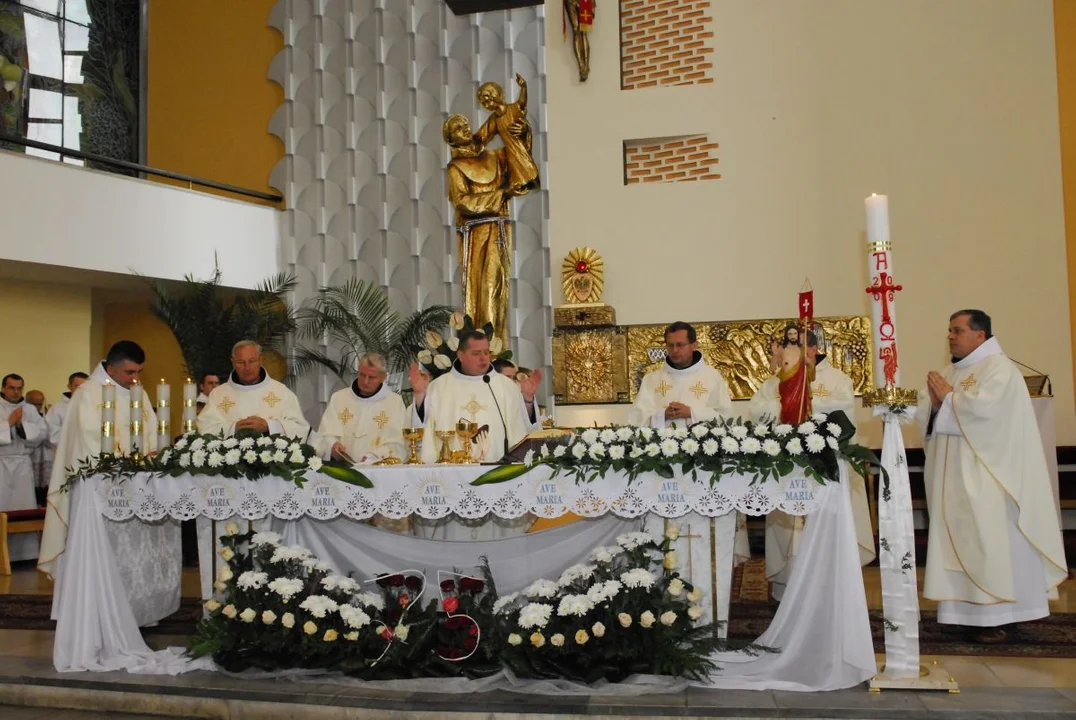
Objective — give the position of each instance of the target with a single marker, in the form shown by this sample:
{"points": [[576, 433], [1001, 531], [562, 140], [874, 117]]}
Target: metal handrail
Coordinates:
{"points": [[136, 167]]}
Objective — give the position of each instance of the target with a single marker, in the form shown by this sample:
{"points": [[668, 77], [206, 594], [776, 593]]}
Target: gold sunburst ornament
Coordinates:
{"points": [[582, 276]]}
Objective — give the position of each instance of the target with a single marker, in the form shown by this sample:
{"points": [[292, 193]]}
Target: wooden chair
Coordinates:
{"points": [[13, 522]]}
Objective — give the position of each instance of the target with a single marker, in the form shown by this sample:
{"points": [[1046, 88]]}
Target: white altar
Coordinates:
{"points": [[824, 613]]}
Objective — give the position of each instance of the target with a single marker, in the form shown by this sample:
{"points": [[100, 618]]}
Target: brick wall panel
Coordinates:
{"points": [[663, 42], [682, 158]]}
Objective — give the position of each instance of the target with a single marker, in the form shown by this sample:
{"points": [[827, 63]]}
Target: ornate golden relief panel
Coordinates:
{"points": [[589, 366], [740, 350]]}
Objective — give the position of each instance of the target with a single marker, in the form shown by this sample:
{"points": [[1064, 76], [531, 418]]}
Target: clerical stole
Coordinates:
{"points": [[699, 386], [370, 428], [268, 399]]}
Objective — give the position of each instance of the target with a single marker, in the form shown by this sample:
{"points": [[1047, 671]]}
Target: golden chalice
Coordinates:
{"points": [[445, 436], [413, 436], [466, 431]]}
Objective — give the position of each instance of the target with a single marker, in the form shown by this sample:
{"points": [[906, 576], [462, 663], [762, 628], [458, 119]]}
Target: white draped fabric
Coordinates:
{"points": [[822, 627]]}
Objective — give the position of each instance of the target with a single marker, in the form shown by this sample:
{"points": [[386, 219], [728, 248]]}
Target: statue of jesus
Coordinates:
{"points": [[795, 374]]}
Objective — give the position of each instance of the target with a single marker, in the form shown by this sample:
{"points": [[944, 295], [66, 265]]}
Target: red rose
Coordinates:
{"points": [[469, 644], [383, 580], [386, 633], [451, 605], [473, 631], [396, 580], [413, 582], [448, 585], [471, 585], [454, 623], [404, 599]]}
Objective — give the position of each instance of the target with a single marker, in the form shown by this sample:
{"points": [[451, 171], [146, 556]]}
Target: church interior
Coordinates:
{"points": [[693, 160]]}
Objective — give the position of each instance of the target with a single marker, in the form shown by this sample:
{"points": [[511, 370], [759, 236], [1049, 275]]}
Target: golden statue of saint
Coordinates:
{"points": [[481, 182]]}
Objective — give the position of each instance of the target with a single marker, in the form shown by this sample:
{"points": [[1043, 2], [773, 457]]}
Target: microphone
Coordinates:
{"points": [[485, 379]]}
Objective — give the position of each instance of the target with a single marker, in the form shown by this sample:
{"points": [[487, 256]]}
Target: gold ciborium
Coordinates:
{"points": [[466, 430], [445, 436], [413, 436]]}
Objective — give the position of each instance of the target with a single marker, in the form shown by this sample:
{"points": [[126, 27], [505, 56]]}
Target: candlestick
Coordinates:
{"points": [[108, 417], [164, 415], [190, 394], [136, 418]]}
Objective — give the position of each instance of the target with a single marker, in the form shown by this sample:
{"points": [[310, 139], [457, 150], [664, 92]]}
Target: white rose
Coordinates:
{"points": [[231, 529], [694, 612], [212, 605], [695, 595], [646, 619], [668, 618], [624, 619], [401, 632], [227, 554], [597, 630], [514, 639], [230, 612], [268, 617], [441, 362], [557, 640], [670, 560], [673, 532], [676, 586], [287, 620], [225, 574], [248, 615]]}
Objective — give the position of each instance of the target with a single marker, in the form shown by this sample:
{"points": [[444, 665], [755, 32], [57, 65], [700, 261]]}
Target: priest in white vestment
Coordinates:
{"points": [[472, 391], [831, 390], [251, 400], [58, 412], [148, 555], [22, 430], [685, 389], [995, 552], [364, 423], [528, 381]]}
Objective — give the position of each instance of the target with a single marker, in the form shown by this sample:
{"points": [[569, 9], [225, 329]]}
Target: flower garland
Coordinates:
{"points": [[761, 450], [439, 352]]}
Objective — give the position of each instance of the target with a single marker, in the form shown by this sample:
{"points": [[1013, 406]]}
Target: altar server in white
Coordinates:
{"points": [[251, 400], [22, 430], [58, 412], [831, 390], [685, 389], [995, 552], [473, 391], [80, 438], [364, 423]]}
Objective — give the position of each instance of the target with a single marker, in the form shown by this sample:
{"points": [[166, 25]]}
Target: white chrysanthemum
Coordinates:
{"points": [[250, 456], [181, 443], [354, 617], [700, 431], [771, 447], [750, 445], [815, 443], [312, 563], [319, 605], [710, 446], [833, 429], [213, 445], [265, 538], [645, 433], [679, 432], [579, 451], [616, 452], [366, 599], [832, 442], [782, 430], [603, 591], [280, 456], [233, 456], [738, 431], [576, 572], [251, 580], [632, 540], [287, 553], [690, 446], [636, 452], [296, 457], [544, 452], [819, 417], [625, 434], [806, 428], [590, 436], [653, 450], [607, 435], [596, 451], [729, 445], [577, 605], [535, 615], [669, 447], [604, 554], [286, 588], [314, 463], [762, 430], [638, 577], [197, 444], [541, 588], [263, 441], [198, 458], [266, 457], [528, 459], [229, 443], [794, 446], [502, 602], [165, 456], [185, 460], [280, 443], [560, 451], [717, 431]]}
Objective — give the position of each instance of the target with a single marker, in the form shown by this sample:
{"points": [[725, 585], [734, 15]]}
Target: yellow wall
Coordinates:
{"points": [[209, 100], [1065, 33], [950, 108], [47, 334], [134, 321]]}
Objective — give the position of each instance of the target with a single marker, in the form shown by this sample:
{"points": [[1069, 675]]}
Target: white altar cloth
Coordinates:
{"points": [[822, 626]]}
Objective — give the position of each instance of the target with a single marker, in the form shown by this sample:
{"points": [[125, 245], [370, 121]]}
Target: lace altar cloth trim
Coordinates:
{"points": [[436, 491]]}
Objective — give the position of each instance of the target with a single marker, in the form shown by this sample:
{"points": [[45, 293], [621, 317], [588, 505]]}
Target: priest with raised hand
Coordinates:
{"points": [[995, 554], [685, 389], [251, 400], [22, 430], [471, 390], [364, 423], [831, 390]]}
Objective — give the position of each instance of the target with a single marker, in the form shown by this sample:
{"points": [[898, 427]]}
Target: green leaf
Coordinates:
{"points": [[345, 473], [502, 473]]}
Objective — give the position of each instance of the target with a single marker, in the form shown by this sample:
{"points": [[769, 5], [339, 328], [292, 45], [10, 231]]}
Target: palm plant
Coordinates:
{"points": [[356, 318], [207, 319]]}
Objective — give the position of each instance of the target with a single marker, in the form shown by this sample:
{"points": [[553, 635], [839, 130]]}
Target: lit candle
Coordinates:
{"points": [[108, 417], [883, 290], [190, 394], [136, 417], [164, 415]]}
